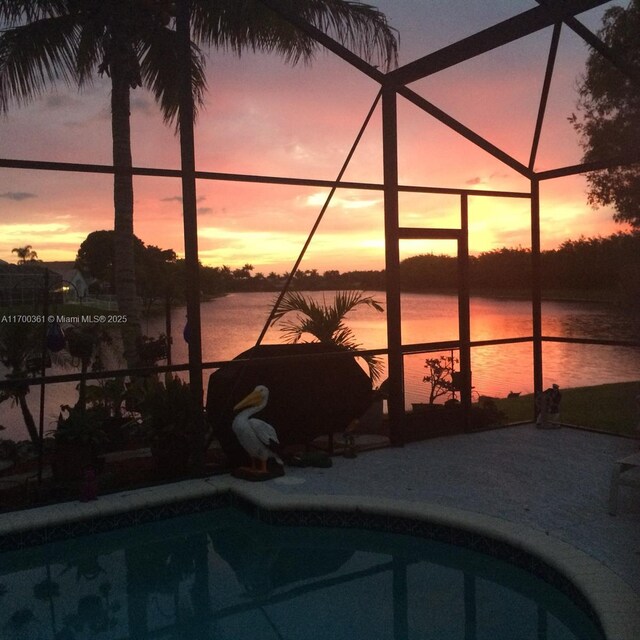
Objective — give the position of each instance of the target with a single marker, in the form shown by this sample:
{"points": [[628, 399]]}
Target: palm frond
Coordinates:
{"points": [[360, 27], [345, 338], [325, 321], [161, 68], [248, 25], [91, 50], [35, 56], [295, 301], [346, 301], [16, 12], [293, 330]]}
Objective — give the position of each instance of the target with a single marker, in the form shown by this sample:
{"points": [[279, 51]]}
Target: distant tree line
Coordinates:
{"points": [[162, 275], [610, 264]]}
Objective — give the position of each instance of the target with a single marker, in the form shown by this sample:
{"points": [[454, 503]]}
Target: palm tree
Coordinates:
{"points": [[132, 42], [129, 41], [325, 322], [21, 353], [25, 254]]}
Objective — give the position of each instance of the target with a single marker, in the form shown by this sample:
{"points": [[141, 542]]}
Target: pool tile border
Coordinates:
{"points": [[592, 586]]}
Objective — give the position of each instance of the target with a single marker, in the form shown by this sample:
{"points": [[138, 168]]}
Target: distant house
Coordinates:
{"points": [[24, 284], [74, 285]]}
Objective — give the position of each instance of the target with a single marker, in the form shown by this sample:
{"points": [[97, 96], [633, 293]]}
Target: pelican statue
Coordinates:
{"points": [[257, 437]]}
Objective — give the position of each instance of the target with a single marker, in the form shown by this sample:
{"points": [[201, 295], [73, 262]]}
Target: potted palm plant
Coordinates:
{"points": [[299, 315]]}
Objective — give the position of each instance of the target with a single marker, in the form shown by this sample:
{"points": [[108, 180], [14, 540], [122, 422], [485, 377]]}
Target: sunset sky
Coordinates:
{"points": [[265, 117]]}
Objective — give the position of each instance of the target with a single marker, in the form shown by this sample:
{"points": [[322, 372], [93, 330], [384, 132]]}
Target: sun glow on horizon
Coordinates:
{"points": [[264, 117]]}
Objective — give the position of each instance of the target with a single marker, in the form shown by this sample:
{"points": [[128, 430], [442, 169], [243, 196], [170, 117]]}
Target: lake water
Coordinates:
{"points": [[232, 324]]}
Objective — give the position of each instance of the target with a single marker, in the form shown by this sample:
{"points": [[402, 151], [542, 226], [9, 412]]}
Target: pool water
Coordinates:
{"points": [[224, 575]]}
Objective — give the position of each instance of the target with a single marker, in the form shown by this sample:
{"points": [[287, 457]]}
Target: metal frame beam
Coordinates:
{"points": [[585, 167], [484, 41], [74, 167], [595, 43], [544, 96], [392, 266], [464, 311], [190, 225], [462, 130], [536, 287], [417, 233]]}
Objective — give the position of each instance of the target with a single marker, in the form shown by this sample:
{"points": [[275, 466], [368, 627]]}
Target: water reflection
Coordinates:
{"points": [[225, 576], [231, 325]]}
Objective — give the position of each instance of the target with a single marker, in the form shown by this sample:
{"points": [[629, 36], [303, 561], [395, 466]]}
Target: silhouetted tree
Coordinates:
{"points": [[96, 255], [502, 269], [157, 276], [21, 353], [133, 43], [244, 272], [439, 376], [608, 119], [65, 40], [25, 254], [429, 272], [156, 267]]}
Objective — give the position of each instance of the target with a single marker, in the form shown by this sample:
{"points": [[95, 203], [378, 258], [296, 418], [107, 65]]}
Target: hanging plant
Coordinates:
{"points": [[56, 340]]}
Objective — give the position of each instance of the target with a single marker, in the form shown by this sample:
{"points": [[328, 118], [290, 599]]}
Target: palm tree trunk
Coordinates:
{"points": [[125, 276], [28, 418]]}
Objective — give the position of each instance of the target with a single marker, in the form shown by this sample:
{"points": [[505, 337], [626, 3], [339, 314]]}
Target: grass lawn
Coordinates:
{"points": [[606, 407]]}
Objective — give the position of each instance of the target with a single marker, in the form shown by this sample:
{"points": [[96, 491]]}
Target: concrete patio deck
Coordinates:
{"points": [[543, 490], [555, 481]]}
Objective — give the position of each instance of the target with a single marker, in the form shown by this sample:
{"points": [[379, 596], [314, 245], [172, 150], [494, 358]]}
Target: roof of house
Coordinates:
{"points": [[61, 266]]}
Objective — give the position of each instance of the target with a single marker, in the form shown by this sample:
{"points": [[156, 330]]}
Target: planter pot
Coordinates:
{"points": [[431, 420], [486, 417], [330, 391]]}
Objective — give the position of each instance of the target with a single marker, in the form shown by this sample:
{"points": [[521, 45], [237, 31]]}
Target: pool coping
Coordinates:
{"points": [[615, 604]]}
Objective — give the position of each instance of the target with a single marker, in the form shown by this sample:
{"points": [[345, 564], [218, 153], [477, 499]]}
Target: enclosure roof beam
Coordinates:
{"points": [[500, 34], [585, 167], [546, 86], [332, 45], [422, 233], [41, 165], [596, 43], [464, 131]]}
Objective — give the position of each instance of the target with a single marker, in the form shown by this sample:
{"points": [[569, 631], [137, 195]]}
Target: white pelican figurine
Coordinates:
{"points": [[257, 437]]}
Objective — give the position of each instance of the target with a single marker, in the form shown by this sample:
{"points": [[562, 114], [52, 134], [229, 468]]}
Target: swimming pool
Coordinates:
{"points": [[223, 574]]}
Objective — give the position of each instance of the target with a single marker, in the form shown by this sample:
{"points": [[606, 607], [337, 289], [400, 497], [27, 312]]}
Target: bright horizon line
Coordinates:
{"points": [[273, 267]]}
